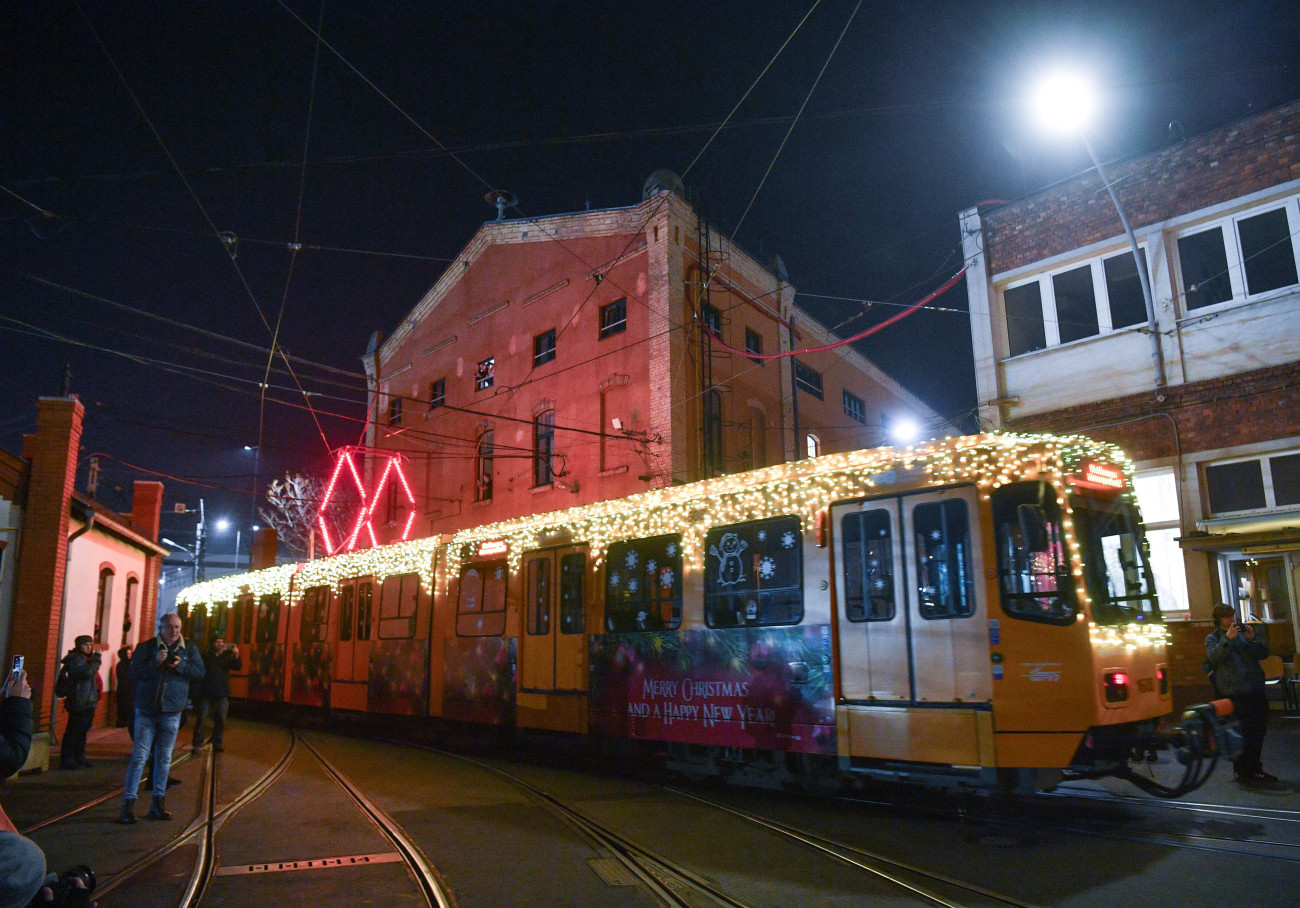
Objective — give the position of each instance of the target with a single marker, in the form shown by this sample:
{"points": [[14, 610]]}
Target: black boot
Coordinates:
{"points": [[128, 812], [158, 811]]}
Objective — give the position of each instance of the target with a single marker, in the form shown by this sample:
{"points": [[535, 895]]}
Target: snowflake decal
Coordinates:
{"points": [[650, 566], [767, 568], [672, 550], [762, 534], [630, 560], [936, 535], [500, 573], [615, 579], [878, 585], [787, 539], [632, 585], [666, 579]]}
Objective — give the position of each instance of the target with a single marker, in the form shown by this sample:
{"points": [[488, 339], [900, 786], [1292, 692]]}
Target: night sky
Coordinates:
{"points": [[144, 143]]}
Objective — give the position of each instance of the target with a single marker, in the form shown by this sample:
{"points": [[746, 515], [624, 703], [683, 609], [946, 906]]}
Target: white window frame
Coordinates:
{"points": [[1266, 474], [1100, 296], [1236, 260]]}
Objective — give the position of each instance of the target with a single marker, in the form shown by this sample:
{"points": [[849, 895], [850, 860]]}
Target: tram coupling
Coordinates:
{"points": [[1205, 734]]}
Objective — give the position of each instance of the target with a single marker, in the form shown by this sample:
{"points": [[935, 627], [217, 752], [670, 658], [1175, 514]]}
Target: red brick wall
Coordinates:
{"points": [[1215, 167], [1224, 412], [38, 593]]}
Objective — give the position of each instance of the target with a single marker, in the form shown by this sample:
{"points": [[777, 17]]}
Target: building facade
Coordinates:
{"points": [[1203, 392], [68, 565], [581, 357]]}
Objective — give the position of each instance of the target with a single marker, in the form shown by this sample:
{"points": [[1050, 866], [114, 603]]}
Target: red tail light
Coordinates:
{"points": [[1116, 687], [1162, 676]]}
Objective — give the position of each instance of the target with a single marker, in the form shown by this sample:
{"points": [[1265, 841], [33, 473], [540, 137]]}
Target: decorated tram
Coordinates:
{"points": [[974, 611]]}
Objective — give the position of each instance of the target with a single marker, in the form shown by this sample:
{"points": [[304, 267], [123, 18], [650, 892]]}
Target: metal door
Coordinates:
{"points": [[554, 640], [912, 625]]}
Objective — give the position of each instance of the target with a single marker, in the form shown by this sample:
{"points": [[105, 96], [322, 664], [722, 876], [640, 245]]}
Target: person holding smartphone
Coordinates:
{"points": [[163, 669], [22, 863], [82, 663], [1234, 655], [214, 691]]}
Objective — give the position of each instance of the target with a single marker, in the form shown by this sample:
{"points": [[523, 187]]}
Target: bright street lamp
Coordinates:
{"points": [[1064, 103]]}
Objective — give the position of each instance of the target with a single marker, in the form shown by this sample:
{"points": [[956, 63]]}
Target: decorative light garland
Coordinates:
{"points": [[802, 488]]}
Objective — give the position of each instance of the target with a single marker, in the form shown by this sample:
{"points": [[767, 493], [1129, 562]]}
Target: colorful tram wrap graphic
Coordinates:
{"points": [[878, 606]]}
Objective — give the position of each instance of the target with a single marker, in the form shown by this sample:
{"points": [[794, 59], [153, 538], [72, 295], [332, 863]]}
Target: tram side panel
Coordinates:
{"points": [[311, 649], [717, 657]]}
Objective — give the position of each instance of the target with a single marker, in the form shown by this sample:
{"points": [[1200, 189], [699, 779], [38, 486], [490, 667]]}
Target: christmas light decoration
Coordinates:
{"points": [[392, 473], [804, 488]]}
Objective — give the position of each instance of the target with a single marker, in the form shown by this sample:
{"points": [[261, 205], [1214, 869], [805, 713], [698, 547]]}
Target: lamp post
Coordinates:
{"points": [[1064, 104]]}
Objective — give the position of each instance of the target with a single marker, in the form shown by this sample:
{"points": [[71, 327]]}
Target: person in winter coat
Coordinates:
{"points": [[82, 664], [125, 691], [214, 691], [163, 669], [22, 863], [1234, 655]]}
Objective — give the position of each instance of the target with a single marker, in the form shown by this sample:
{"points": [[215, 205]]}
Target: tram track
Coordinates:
{"points": [[678, 885]]}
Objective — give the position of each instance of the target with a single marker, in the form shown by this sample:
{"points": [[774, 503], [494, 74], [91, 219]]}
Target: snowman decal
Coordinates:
{"points": [[731, 569]]}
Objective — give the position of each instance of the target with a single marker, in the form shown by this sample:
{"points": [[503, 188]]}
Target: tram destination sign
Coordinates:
{"points": [[1098, 476]]}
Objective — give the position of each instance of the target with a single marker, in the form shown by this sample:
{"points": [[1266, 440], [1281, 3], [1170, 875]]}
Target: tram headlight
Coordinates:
{"points": [[1116, 687]]}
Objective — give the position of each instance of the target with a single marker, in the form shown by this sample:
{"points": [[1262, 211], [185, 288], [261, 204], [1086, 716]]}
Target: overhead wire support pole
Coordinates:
{"points": [[1153, 328]]}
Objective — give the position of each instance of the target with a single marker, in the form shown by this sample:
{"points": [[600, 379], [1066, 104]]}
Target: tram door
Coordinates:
{"points": [[912, 624], [352, 658], [554, 642]]}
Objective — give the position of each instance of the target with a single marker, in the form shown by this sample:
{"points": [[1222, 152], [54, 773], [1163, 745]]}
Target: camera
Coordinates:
{"points": [[66, 892]]}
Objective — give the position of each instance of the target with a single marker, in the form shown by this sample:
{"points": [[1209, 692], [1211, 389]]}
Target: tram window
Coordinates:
{"points": [[643, 584], [220, 614], [268, 617], [573, 615], [347, 598], [315, 614], [246, 634], [753, 573], [398, 598], [1033, 568], [365, 601], [868, 565], [1115, 564], [198, 624], [539, 595], [942, 532], [481, 602]]}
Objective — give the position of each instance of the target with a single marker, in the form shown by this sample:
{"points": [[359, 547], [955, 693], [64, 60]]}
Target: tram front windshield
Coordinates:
{"points": [[1115, 560]]}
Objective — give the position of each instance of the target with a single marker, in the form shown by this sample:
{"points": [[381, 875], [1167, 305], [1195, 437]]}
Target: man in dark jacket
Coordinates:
{"points": [[162, 669], [1234, 656], [22, 863], [82, 664], [214, 691]]}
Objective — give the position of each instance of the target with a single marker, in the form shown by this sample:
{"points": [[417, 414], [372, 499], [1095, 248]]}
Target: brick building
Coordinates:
{"points": [[563, 360], [68, 565], [1062, 343]]}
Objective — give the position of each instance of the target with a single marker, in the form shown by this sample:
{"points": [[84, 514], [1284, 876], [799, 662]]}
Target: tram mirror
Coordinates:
{"points": [[1033, 527]]}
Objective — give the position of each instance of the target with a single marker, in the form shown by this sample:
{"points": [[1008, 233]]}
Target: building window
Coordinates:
{"points": [[754, 344], [808, 379], [544, 448], [854, 409], [438, 394], [1082, 301], [103, 604], [483, 468], [132, 599], [544, 348], [395, 411], [712, 319], [1239, 258], [484, 373], [812, 445], [1157, 495], [613, 318], [1271, 481]]}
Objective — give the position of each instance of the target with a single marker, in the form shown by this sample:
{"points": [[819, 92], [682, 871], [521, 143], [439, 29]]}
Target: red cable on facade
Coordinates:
{"points": [[948, 285]]}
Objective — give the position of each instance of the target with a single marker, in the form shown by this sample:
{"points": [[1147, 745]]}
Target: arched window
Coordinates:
{"points": [[132, 600], [812, 445], [544, 448], [103, 604], [483, 467]]}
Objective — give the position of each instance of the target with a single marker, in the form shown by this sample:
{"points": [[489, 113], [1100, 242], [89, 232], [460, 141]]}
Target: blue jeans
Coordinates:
{"points": [[147, 728]]}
